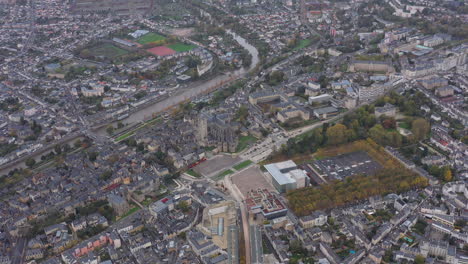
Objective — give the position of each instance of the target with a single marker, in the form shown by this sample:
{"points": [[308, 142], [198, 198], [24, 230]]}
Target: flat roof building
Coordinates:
{"points": [[262, 202], [287, 176]]}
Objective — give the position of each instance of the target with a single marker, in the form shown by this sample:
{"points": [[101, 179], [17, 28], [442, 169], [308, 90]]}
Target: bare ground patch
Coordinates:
{"points": [[250, 179], [216, 164]]}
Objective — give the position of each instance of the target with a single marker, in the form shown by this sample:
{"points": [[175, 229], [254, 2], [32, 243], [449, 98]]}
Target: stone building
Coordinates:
{"points": [[217, 130]]}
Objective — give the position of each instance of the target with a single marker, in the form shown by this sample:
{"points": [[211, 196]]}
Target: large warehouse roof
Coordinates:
{"points": [[285, 172]]}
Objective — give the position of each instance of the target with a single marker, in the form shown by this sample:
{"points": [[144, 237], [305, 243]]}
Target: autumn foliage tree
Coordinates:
{"points": [[448, 174], [420, 128], [337, 134]]}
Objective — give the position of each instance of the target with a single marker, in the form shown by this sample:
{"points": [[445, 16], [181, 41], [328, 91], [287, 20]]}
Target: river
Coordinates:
{"points": [[191, 92]]}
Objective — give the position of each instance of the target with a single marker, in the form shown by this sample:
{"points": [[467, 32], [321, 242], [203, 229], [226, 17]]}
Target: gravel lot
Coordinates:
{"points": [[217, 164], [251, 178]]}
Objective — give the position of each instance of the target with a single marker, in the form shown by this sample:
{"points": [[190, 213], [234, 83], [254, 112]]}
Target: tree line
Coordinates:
{"points": [[393, 178], [362, 124]]}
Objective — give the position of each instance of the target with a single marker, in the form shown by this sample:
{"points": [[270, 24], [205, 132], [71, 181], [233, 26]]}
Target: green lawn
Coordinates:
{"points": [[223, 174], [147, 202], [181, 47], [300, 123], [302, 44], [404, 125], [244, 142], [130, 133], [125, 136], [193, 173], [242, 165], [131, 211], [150, 37], [107, 50]]}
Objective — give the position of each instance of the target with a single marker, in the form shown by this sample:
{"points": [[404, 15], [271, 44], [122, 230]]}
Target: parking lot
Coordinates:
{"points": [[216, 164], [348, 164], [251, 178]]}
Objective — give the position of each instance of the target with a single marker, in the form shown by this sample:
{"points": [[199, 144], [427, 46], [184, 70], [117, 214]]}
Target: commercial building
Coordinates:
{"points": [[325, 112], [317, 218], [217, 221], [371, 66], [266, 96], [366, 93], [287, 109], [138, 33], [263, 203], [124, 42], [287, 176], [433, 82], [293, 111], [323, 98], [445, 91]]}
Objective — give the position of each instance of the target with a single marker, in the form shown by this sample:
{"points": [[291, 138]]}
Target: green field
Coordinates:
{"points": [[244, 142], [181, 47], [302, 44], [132, 131], [404, 125], [124, 136], [193, 173], [242, 165], [130, 212], [223, 174], [108, 51], [150, 37]]}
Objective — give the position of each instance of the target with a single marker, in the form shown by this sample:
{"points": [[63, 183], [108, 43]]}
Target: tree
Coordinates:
{"points": [[106, 175], [58, 149], [419, 259], [295, 246], [66, 148], [276, 77], [110, 130], [86, 53], [120, 125], [447, 174], [377, 133], [77, 143], [242, 114], [30, 162], [389, 123], [420, 128], [183, 235], [460, 223], [337, 134], [140, 147], [183, 206], [92, 156]]}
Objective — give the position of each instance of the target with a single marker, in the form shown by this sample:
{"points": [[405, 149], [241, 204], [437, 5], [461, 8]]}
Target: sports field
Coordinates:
{"points": [[150, 37], [181, 47], [107, 50], [161, 51]]}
